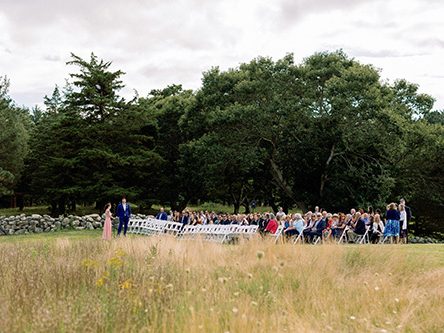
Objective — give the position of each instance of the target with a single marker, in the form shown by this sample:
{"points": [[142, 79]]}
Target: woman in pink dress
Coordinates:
{"points": [[107, 232]]}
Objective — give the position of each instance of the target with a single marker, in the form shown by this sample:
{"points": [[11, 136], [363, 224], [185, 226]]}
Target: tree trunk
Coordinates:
{"points": [[236, 205], [247, 207], [324, 176], [279, 179]]}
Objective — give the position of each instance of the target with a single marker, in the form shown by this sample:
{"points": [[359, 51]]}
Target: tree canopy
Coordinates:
{"points": [[327, 131]]}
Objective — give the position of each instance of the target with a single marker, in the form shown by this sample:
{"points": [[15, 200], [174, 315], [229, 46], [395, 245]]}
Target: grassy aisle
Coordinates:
{"points": [[75, 282]]}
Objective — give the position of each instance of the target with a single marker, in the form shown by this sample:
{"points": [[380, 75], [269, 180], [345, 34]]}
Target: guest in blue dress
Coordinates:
{"points": [[392, 217]]}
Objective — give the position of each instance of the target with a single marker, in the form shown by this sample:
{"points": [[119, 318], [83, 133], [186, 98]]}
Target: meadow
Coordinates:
{"points": [[75, 282]]}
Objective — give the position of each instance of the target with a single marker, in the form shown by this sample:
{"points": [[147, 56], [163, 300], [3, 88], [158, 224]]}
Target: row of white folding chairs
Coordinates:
{"points": [[152, 226], [217, 232]]}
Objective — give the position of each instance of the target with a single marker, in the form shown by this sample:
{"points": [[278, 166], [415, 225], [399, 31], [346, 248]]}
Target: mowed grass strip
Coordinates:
{"points": [[75, 282]]}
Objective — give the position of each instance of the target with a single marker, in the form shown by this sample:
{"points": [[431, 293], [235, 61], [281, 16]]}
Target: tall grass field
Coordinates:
{"points": [[75, 282]]}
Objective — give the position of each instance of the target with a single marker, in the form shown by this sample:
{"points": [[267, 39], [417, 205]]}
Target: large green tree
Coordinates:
{"points": [[92, 145], [14, 127]]}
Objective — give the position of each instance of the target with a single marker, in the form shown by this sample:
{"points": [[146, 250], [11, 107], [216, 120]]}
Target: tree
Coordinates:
{"points": [[92, 145], [167, 107], [14, 127]]}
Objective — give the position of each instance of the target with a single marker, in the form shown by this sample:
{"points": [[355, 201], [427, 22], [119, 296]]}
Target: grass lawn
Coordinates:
{"points": [[72, 281]]}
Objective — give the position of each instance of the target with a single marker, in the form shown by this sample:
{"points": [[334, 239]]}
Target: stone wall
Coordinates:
{"points": [[24, 224]]}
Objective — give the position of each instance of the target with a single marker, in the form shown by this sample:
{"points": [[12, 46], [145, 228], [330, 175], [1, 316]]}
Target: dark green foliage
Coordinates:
{"points": [[324, 132]]}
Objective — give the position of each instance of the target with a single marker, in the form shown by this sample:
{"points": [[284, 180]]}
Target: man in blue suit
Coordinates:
{"points": [[124, 214], [162, 215]]}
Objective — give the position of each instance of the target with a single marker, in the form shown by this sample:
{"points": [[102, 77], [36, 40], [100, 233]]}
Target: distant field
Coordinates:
{"points": [[74, 282]]}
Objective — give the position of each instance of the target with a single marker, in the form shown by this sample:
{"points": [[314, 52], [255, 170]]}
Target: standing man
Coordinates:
{"points": [[124, 214], [162, 215], [408, 213]]}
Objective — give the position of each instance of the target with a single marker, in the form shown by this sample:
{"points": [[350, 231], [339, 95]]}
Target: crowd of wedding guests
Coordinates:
{"points": [[391, 224]]}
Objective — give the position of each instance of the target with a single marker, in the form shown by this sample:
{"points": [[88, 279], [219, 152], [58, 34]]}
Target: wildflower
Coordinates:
{"points": [[376, 288], [397, 300], [352, 317], [127, 284], [119, 253], [235, 310], [89, 263], [260, 254], [100, 282], [115, 262]]}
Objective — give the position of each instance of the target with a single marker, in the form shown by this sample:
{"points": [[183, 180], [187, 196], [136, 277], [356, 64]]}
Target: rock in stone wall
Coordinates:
{"points": [[24, 224]]}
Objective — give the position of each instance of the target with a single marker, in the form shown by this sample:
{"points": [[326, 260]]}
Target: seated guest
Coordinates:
{"points": [[176, 216], [378, 229], [358, 227], [366, 219], [296, 226], [272, 225], [287, 221], [185, 217], [334, 227], [349, 219], [311, 223], [318, 228], [262, 223], [224, 220]]}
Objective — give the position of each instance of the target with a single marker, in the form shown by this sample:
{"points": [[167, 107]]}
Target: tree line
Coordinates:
{"points": [[327, 131]]}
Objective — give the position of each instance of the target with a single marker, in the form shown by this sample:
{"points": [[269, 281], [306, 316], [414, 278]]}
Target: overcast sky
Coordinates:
{"points": [[162, 42]]}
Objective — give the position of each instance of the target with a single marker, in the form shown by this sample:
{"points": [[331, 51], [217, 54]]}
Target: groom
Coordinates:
{"points": [[124, 214]]}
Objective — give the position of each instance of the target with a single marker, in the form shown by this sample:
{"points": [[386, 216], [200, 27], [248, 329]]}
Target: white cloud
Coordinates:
{"points": [[160, 42]]}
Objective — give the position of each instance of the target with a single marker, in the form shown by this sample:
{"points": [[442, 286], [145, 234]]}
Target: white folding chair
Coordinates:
{"points": [[344, 237], [365, 238], [173, 227], [278, 234], [300, 238]]}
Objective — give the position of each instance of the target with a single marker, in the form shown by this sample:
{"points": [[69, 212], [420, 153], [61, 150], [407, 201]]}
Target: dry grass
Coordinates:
{"points": [[165, 285]]}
